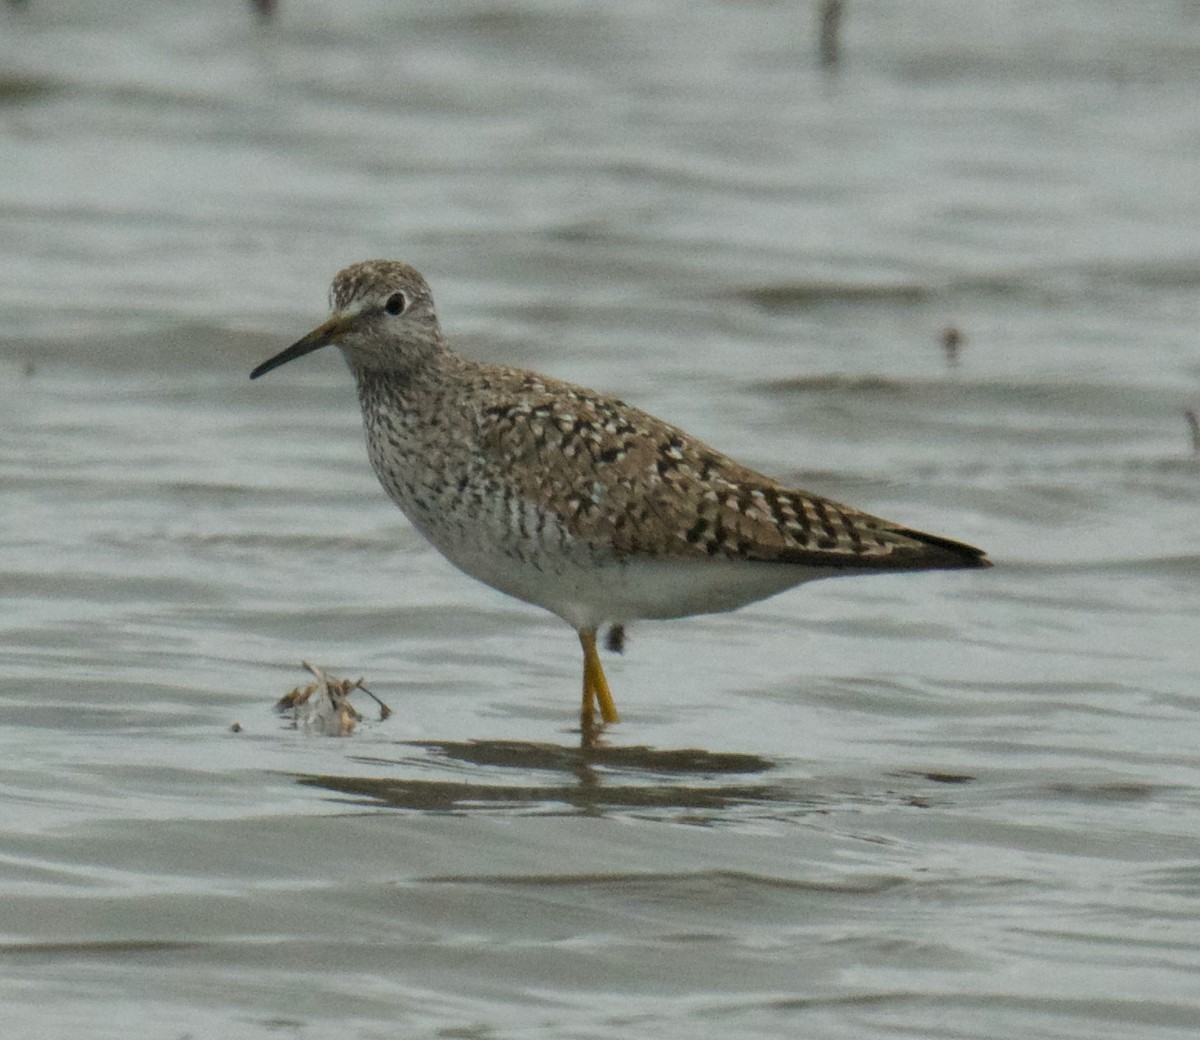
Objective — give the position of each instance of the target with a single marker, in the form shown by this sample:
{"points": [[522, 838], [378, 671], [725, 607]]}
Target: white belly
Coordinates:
{"points": [[588, 594]]}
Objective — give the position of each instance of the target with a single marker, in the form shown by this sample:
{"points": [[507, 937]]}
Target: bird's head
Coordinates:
{"points": [[383, 320]]}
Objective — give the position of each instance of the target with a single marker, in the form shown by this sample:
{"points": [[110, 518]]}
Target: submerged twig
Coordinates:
{"points": [[831, 24], [384, 711]]}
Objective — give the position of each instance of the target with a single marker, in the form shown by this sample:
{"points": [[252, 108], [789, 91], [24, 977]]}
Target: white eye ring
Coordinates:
{"points": [[397, 303]]}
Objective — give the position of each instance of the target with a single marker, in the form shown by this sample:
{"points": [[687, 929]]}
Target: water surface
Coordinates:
{"points": [[943, 805]]}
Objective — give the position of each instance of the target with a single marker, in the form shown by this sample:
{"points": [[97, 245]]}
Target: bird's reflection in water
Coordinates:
{"points": [[564, 779]]}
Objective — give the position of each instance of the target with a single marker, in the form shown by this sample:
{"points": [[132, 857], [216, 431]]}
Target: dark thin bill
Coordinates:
{"points": [[305, 346], [322, 336]]}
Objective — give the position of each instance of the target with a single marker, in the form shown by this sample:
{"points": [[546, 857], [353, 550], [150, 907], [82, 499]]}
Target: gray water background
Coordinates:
{"points": [[936, 806]]}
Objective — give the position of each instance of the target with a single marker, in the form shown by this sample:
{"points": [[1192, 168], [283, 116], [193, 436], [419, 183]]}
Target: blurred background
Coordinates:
{"points": [[942, 265]]}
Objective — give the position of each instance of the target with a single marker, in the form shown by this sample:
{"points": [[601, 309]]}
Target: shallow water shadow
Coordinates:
{"points": [[525, 755], [589, 781]]}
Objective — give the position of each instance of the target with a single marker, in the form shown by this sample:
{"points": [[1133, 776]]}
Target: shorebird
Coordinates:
{"points": [[575, 501]]}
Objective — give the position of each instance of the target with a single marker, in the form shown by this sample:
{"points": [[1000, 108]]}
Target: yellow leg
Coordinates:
{"points": [[595, 685], [587, 713]]}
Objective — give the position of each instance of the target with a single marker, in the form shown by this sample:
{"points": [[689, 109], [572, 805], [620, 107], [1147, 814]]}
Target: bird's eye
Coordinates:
{"points": [[397, 303]]}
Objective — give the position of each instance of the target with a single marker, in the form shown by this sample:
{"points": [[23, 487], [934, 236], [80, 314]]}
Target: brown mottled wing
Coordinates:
{"points": [[620, 477]]}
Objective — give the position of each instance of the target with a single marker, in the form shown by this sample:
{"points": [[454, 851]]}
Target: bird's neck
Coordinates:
{"points": [[434, 375]]}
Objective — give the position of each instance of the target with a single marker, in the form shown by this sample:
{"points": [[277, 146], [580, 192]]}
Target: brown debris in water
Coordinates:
{"points": [[615, 640], [953, 341], [324, 706]]}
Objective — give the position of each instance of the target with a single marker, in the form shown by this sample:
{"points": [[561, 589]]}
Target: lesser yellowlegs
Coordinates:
{"points": [[574, 501]]}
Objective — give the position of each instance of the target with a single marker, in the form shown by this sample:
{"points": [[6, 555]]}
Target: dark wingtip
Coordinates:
{"points": [[947, 553]]}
